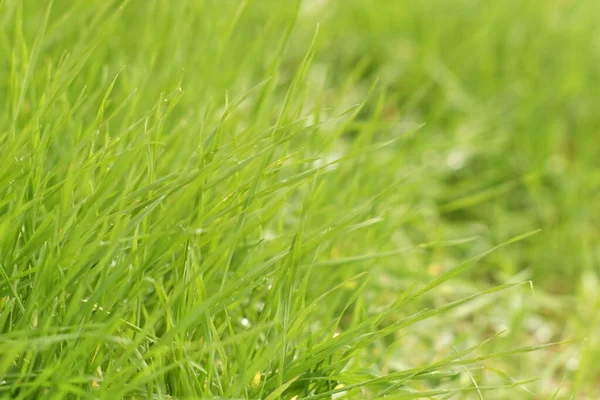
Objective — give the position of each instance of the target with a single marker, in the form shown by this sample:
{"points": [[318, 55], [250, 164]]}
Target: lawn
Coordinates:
{"points": [[317, 199]]}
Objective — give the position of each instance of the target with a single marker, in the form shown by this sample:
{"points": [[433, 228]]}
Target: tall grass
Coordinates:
{"points": [[227, 198]]}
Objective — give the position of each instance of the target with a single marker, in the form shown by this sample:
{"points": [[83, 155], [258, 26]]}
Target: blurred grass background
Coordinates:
{"points": [[511, 139]]}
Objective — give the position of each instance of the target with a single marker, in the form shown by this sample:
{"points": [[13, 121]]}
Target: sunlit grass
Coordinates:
{"points": [[263, 200]]}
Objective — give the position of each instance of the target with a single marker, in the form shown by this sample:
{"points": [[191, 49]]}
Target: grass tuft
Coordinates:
{"points": [[303, 200]]}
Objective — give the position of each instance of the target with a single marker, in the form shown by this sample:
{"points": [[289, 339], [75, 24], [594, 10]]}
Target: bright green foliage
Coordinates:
{"points": [[270, 199]]}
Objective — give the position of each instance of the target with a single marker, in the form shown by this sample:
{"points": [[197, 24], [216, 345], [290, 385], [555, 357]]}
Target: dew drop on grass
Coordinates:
{"points": [[245, 322], [456, 159], [259, 306]]}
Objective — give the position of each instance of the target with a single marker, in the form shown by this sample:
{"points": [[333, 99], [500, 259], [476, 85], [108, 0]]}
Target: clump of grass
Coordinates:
{"points": [[190, 210]]}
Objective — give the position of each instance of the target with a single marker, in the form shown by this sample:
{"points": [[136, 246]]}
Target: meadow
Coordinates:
{"points": [[317, 199]]}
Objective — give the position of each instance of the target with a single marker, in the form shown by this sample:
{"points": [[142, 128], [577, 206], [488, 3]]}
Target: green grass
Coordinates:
{"points": [[264, 199]]}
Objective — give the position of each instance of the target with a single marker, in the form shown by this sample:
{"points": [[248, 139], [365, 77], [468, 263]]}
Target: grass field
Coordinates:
{"points": [[317, 200]]}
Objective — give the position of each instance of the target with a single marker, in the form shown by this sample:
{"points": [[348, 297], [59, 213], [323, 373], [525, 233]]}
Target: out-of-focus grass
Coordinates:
{"points": [[263, 199], [511, 142]]}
